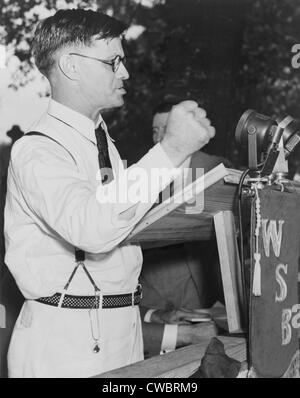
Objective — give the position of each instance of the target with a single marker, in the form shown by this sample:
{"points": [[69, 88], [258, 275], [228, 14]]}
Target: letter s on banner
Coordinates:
{"points": [[281, 282]]}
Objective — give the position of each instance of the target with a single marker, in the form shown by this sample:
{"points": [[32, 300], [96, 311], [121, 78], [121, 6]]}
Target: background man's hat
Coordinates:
{"points": [[15, 133]]}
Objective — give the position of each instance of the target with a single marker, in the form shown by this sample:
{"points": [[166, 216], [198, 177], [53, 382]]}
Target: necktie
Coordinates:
{"points": [[103, 156]]}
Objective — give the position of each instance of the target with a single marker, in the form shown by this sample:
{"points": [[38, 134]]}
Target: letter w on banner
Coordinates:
{"points": [[275, 314]]}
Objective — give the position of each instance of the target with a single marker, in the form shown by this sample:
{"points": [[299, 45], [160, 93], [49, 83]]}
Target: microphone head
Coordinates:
{"points": [[252, 122]]}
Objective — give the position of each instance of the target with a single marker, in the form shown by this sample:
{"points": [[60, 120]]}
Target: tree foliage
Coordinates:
{"points": [[229, 55]]}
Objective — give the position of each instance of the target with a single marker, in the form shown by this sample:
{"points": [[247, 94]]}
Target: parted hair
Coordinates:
{"points": [[69, 27]]}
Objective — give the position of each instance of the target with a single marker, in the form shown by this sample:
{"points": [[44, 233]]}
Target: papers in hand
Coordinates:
{"points": [[201, 315], [180, 201]]}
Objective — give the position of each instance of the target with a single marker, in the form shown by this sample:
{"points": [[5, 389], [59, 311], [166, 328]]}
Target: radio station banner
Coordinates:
{"points": [[274, 305]]}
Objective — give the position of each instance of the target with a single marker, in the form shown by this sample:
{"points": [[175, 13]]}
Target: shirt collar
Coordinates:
{"points": [[79, 122]]}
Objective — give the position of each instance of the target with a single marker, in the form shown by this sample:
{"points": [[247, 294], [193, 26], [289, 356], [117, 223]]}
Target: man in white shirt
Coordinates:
{"points": [[64, 224]]}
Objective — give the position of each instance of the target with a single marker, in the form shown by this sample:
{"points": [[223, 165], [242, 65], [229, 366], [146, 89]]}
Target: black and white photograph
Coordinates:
{"points": [[149, 191]]}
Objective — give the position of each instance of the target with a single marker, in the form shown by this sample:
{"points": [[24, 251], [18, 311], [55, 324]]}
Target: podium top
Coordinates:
{"points": [[171, 222], [176, 220]]}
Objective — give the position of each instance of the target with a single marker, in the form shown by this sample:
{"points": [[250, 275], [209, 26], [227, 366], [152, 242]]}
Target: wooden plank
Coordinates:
{"points": [[230, 269], [179, 228], [180, 363]]}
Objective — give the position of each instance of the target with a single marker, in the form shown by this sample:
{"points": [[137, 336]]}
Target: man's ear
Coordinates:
{"points": [[68, 66]]}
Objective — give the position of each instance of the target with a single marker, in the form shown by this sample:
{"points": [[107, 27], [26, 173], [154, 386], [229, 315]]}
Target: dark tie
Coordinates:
{"points": [[103, 156], [166, 193]]}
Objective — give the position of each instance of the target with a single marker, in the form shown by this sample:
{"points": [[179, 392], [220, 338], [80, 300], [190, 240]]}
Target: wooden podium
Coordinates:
{"points": [[214, 215], [169, 222]]}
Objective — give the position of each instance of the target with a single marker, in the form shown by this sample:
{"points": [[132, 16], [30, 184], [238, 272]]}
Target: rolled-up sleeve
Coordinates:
{"points": [[63, 201]]}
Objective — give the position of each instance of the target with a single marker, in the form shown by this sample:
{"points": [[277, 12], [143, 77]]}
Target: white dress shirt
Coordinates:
{"points": [[51, 207]]}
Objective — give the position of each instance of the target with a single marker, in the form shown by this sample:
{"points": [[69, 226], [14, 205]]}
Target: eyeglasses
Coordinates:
{"points": [[114, 63]]}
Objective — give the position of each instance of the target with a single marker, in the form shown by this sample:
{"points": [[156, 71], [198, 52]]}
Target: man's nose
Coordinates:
{"points": [[122, 72]]}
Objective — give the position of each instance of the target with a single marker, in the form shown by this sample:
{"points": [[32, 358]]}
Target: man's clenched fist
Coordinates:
{"points": [[188, 130]]}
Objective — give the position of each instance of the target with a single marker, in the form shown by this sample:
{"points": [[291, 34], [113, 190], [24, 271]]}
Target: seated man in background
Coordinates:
{"points": [[176, 282]]}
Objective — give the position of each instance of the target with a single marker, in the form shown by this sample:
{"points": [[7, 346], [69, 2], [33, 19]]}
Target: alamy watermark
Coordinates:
{"points": [[296, 58], [139, 185]]}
